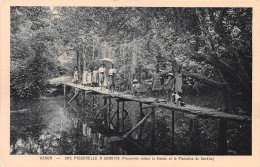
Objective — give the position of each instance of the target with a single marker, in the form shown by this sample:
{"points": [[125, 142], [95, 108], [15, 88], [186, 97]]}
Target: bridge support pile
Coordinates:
{"points": [[108, 111]]}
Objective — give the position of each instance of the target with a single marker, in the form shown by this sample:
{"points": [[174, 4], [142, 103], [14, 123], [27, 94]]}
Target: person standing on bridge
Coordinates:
{"points": [[89, 77], [169, 87], [136, 88], [178, 83], [178, 88], [95, 78], [86, 79], [102, 71], [75, 75], [111, 79], [157, 86]]}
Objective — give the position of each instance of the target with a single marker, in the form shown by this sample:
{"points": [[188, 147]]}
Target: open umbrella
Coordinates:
{"points": [[96, 63], [107, 62]]}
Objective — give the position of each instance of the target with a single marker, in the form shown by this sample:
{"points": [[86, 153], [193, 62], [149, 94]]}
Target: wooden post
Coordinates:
{"points": [[140, 118], [83, 99], [138, 124], [77, 54], [153, 130], [173, 149], [93, 50], [109, 110], [222, 138], [117, 116], [93, 105], [226, 101], [64, 92], [123, 115], [79, 66], [76, 94], [105, 111], [124, 53], [194, 135], [84, 60]]}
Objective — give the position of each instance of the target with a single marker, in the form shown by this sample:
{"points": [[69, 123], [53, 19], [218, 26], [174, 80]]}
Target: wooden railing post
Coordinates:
{"points": [[153, 130], [109, 110], [64, 92], [138, 124], [93, 105], [105, 111], [123, 116], [117, 116], [140, 118], [194, 135], [173, 149], [83, 99], [222, 138]]}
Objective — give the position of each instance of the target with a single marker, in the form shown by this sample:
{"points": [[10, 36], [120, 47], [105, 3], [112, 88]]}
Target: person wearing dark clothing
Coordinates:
{"points": [[111, 83], [136, 88], [111, 79]]}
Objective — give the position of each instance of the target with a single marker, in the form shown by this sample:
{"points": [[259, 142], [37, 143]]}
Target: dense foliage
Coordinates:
{"points": [[212, 46]]}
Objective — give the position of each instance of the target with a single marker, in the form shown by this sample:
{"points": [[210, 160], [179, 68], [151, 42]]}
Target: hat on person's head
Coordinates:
{"points": [[135, 81], [170, 74]]}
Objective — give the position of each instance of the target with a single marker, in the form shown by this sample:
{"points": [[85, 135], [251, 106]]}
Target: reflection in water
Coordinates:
{"points": [[50, 129]]}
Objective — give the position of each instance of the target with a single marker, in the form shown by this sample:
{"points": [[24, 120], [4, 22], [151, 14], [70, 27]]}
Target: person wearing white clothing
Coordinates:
{"points": [[112, 71], [87, 78], [95, 77], [102, 71], [75, 75], [84, 78]]}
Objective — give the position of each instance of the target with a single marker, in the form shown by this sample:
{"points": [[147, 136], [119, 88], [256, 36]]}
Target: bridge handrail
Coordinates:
{"points": [[196, 110]]}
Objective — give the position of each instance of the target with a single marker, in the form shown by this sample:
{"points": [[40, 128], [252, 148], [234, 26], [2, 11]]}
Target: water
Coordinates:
{"points": [[46, 127]]}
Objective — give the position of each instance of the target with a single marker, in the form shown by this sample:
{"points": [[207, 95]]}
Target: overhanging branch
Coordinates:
{"points": [[203, 79]]}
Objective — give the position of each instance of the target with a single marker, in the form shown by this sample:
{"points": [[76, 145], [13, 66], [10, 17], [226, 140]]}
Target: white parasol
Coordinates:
{"points": [[107, 62]]}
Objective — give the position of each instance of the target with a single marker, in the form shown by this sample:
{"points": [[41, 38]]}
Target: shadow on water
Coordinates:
{"points": [[44, 126]]}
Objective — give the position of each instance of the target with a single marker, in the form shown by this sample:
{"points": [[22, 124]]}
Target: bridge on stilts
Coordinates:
{"points": [[110, 122]]}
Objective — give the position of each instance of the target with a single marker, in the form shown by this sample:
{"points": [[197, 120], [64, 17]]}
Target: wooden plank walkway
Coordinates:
{"points": [[116, 94], [197, 110], [133, 137]]}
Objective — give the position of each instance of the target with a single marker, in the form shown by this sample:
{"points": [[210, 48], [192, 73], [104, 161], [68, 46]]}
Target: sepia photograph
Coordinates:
{"points": [[130, 80]]}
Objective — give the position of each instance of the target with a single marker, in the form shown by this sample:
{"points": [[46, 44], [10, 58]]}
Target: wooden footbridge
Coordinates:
{"points": [[112, 122]]}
